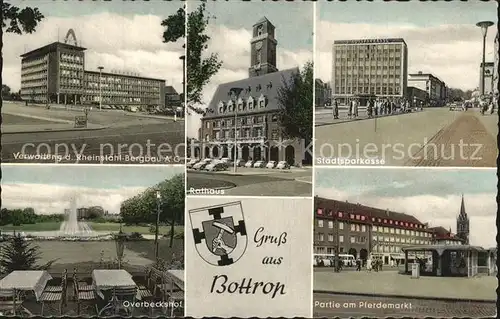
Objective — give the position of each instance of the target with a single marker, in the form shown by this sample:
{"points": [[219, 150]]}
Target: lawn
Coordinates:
{"points": [[115, 227], [99, 227], [49, 226]]}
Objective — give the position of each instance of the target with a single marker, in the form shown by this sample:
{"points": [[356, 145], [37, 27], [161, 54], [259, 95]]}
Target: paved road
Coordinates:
{"points": [[324, 116], [345, 306], [124, 138], [433, 137], [268, 183]]}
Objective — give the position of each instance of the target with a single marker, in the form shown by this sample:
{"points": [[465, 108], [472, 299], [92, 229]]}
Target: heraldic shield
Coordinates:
{"points": [[219, 233]]}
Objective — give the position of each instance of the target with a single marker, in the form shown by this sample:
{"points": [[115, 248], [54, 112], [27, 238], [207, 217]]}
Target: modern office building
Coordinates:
{"points": [[242, 117], [435, 88], [55, 73], [361, 231], [369, 68], [489, 75]]}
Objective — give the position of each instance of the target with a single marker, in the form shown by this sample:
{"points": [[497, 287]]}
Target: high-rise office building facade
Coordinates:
{"points": [[55, 73], [369, 68]]}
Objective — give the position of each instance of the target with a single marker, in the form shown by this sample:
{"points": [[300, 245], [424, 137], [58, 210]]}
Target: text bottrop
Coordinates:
{"points": [[362, 305], [246, 286]]}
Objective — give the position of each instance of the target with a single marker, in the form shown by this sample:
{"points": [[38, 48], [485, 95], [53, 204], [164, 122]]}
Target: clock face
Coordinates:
{"points": [[258, 45]]}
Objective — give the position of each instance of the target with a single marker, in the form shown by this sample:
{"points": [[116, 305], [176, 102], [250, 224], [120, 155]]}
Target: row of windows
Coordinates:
{"points": [[242, 105], [371, 48], [71, 73], [118, 93], [405, 240], [381, 229], [71, 57], [116, 79], [34, 62], [256, 132], [249, 120], [380, 79], [72, 66], [34, 69], [366, 90], [27, 91], [124, 87]]}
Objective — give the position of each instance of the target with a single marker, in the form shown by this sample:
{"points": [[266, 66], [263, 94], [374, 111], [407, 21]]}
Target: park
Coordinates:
{"points": [[87, 261]]}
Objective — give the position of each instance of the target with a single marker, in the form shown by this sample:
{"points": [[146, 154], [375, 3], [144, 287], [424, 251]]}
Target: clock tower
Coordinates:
{"points": [[263, 49]]}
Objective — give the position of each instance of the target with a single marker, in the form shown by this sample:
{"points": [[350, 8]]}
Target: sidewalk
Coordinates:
{"points": [[16, 129], [36, 117], [393, 284]]}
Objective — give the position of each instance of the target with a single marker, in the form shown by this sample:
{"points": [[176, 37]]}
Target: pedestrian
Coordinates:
{"points": [[369, 109], [377, 102], [349, 112], [355, 107], [369, 264], [358, 265], [335, 109]]}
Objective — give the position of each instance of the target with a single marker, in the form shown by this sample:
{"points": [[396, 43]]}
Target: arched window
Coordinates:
{"points": [[207, 138], [250, 103], [262, 101], [241, 104], [230, 106], [222, 107]]}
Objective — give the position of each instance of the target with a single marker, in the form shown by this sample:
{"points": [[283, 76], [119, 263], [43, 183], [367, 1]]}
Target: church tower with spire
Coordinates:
{"points": [[463, 224], [263, 49]]}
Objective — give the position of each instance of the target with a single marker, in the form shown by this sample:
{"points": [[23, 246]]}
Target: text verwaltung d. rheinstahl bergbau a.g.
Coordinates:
{"points": [[135, 153]]}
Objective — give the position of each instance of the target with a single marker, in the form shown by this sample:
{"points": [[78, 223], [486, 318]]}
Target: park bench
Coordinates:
{"points": [[55, 295]]}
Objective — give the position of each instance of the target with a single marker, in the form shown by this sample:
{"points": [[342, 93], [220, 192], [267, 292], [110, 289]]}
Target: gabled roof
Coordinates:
{"points": [[267, 85], [347, 207], [262, 20], [170, 90]]}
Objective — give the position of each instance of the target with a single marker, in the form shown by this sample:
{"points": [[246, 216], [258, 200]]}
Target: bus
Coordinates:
{"points": [[323, 260], [327, 260]]}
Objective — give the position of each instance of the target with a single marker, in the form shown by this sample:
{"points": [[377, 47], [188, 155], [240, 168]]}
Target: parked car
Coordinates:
{"points": [[271, 164], [240, 163], [226, 160], [282, 165], [201, 165], [259, 164], [217, 166], [249, 164], [192, 162]]}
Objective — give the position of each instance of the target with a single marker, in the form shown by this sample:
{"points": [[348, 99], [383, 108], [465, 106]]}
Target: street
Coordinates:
{"points": [[345, 306], [252, 182], [34, 134], [432, 137]]}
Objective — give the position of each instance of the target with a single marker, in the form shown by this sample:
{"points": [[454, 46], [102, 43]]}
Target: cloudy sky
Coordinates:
{"points": [[49, 188], [441, 36], [431, 195], [121, 36], [231, 32]]}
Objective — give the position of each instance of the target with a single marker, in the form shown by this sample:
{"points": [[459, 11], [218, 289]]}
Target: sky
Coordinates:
{"points": [[121, 36], [49, 188], [430, 195], [231, 32], [442, 37]]}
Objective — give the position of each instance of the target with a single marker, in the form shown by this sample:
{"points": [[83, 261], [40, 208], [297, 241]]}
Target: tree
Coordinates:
{"points": [[19, 254], [199, 68], [16, 20], [295, 101], [143, 207], [6, 92]]}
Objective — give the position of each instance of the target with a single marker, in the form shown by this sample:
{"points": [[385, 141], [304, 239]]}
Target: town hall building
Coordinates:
{"points": [[244, 115]]}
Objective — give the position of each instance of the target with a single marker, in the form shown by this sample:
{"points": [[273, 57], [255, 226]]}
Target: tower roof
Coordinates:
{"points": [[463, 214], [263, 20]]}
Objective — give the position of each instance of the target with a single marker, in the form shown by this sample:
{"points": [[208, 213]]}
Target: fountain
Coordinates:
{"points": [[70, 224], [71, 227]]}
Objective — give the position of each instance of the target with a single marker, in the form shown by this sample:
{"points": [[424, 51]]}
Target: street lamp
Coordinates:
{"points": [[120, 239], [183, 58], [235, 91], [484, 25], [100, 85], [158, 205]]}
